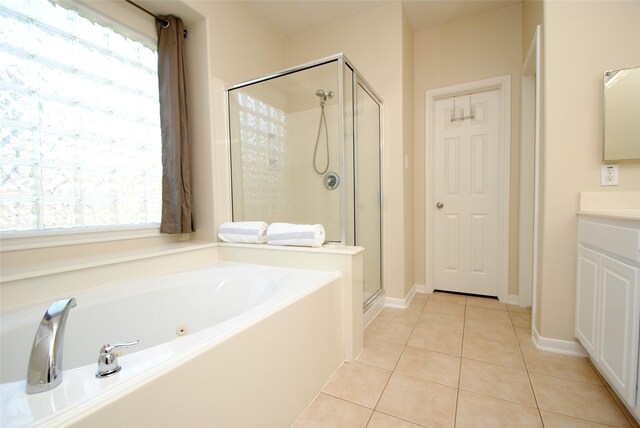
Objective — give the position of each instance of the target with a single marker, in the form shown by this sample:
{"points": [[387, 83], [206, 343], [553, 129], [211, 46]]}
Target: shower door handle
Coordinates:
{"points": [[439, 205]]}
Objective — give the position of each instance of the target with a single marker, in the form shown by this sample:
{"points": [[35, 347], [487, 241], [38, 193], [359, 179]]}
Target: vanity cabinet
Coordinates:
{"points": [[608, 300], [587, 299]]}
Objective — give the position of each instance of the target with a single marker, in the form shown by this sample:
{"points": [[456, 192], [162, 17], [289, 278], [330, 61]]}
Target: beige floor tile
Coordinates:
{"points": [[359, 383], [480, 411], [380, 420], [395, 314], [442, 321], [441, 297], [602, 379], [524, 336], [555, 420], [520, 319], [486, 302], [444, 308], [380, 353], [490, 351], [394, 331], [488, 315], [577, 399], [621, 405], [436, 340], [420, 401], [429, 365], [516, 308], [496, 381], [554, 364], [330, 412], [418, 301], [490, 330]]}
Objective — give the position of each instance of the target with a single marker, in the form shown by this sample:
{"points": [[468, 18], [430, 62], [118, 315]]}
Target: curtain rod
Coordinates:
{"points": [[165, 23]]}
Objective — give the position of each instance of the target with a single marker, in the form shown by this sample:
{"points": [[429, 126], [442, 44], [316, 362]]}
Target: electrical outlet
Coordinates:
{"points": [[608, 175]]}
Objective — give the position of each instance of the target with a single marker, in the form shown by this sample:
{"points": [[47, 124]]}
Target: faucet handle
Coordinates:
{"points": [[108, 361], [106, 349]]}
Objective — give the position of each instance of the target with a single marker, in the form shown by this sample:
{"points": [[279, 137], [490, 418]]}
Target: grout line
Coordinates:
{"points": [[535, 396], [581, 419], [370, 417], [402, 419], [455, 410], [604, 384], [625, 412], [404, 346]]}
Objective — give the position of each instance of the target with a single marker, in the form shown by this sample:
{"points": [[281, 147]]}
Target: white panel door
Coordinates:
{"points": [[466, 191], [618, 354], [587, 300]]}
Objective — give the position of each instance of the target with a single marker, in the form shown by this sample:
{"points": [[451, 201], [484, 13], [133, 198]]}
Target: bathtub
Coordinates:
{"points": [[211, 341]]}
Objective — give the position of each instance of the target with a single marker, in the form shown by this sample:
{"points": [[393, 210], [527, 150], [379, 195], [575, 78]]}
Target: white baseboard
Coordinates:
{"points": [[375, 308], [394, 302], [420, 288], [511, 299], [567, 347]]}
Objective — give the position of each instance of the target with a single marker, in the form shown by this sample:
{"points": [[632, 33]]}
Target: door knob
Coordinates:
{"points": [[439, 205]]}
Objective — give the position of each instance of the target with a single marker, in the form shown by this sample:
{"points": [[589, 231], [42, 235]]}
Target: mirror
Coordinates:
{"points": [[622, 114]]}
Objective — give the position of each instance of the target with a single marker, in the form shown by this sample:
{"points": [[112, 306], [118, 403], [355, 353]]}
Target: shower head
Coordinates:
{"points": [[324, 96]]}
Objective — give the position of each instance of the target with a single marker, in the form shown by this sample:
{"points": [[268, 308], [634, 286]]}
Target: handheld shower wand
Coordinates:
{"points": [[324, 96]]}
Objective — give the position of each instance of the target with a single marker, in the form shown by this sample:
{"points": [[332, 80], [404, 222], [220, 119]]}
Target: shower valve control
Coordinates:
{"points": [[331, 181], [108, 360]]}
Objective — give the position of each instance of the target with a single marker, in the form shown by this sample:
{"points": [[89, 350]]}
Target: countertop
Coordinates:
{"points": [[617, 214], [616, 205]]}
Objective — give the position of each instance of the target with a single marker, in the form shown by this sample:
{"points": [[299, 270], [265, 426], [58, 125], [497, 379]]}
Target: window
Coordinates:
{"points": [[80, 144]]}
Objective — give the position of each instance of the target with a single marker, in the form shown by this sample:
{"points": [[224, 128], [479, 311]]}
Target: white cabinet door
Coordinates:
{"points": [[587, 300], [618, 355]]}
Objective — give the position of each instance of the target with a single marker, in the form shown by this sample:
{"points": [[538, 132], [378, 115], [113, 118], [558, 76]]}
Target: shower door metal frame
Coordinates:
{"points": [[338, 59], [357, 79]]}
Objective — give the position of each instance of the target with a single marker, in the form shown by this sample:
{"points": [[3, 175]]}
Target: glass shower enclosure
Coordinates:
{"points": [[306, 148]]}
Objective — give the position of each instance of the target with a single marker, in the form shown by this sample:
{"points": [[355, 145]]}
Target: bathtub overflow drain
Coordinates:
{"points": [[182, 330]]}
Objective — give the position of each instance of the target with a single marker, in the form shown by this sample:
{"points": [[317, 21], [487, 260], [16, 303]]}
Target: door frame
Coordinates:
{"points": [[503, 85], [529, 174]]}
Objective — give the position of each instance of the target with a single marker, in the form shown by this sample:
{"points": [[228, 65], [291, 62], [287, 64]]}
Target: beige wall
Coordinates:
{"points": [[531, 17], [580, 41], [243, 45], [478, 48], [373, 41]]}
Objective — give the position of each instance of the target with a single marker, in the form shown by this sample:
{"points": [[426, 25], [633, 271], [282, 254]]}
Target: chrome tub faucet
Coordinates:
{"points": [[45, 363]]}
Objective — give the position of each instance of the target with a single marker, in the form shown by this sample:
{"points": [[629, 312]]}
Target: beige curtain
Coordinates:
{"points": [[176, 170]]}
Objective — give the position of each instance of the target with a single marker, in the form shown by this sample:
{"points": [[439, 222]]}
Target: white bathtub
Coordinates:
{"points": [[222, 306]]}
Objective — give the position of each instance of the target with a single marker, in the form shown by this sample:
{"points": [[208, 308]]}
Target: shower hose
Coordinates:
{"points": [[323, 120]]}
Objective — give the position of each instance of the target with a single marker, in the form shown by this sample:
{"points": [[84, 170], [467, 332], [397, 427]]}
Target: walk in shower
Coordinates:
{"points": [[305, 148]]}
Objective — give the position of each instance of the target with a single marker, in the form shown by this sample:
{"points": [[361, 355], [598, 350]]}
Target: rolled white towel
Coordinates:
{"points": [[304, 235], [246, 232]]}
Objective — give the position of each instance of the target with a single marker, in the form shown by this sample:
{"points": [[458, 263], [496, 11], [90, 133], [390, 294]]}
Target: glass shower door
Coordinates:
{"points": [[286, 149], [367, 191]]}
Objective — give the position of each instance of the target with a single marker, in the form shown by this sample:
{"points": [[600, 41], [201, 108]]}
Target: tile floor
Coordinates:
{"points": [[452, 360]]}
